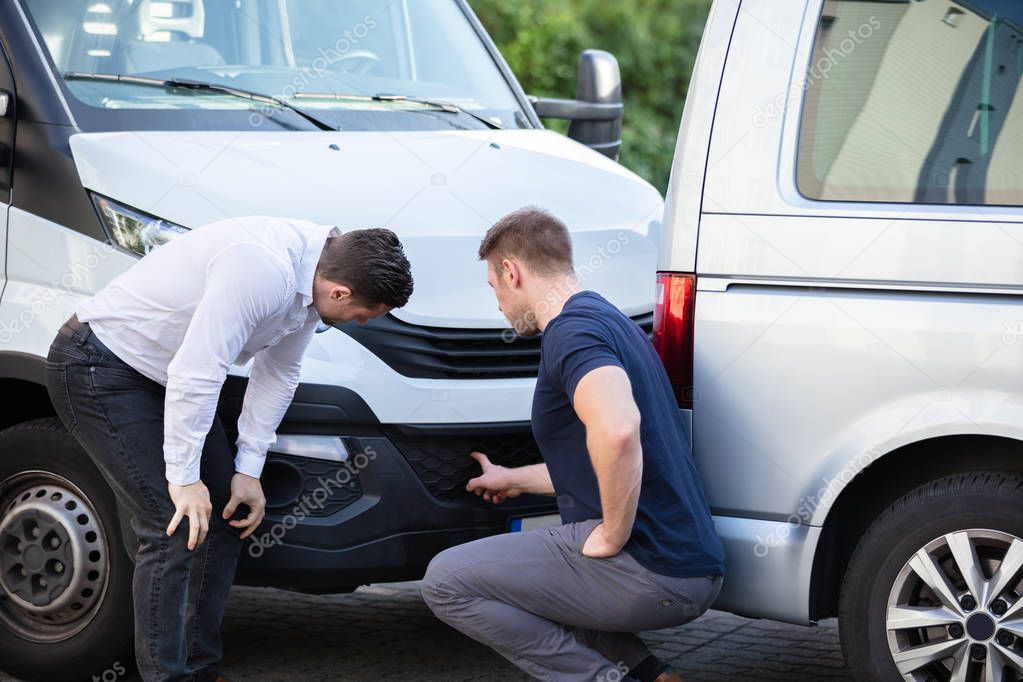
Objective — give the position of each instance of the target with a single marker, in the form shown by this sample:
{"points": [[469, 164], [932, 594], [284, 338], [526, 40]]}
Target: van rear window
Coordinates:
{"points": [[915, 102]]}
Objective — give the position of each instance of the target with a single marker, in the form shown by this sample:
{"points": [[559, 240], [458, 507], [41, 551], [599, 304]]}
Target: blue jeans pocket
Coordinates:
{"points": [[114, 379], [63, 349]]}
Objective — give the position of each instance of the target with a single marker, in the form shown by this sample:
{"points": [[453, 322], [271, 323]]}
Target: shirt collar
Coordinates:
{"points": [[316, 238]]}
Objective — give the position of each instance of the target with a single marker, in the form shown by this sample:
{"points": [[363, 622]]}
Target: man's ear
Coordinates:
{"points": [[512, 272], [339, 292]]}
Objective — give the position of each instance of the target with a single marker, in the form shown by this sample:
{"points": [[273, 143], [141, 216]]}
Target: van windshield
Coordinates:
{"points": [[342, 58]]}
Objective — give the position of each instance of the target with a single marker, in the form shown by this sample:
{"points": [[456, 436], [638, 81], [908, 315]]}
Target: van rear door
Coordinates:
{"points": [[860, 264], [684, 198], [676, 267]]}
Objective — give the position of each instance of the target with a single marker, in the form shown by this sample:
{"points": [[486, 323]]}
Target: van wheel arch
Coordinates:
{"points": [[883, 482], [30, 398], [24, 367]]}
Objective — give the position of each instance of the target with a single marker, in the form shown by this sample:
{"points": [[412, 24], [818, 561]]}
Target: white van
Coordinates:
{"points": [[125, 122], [841, 312]]}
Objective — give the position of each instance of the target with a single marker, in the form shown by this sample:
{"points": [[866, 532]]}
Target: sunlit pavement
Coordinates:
{"points": [[386, 632]]}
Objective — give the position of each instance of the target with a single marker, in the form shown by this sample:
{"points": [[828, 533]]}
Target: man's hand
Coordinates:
{"points": [[193, 501], [598, 546], [248, 491], [496, 484]]}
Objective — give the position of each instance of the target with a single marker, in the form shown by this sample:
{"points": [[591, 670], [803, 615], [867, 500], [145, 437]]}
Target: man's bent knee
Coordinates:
{"points": [[437, 588]]}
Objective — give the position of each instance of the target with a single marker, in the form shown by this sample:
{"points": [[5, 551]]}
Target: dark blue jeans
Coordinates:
{"points": [[117, 416]]}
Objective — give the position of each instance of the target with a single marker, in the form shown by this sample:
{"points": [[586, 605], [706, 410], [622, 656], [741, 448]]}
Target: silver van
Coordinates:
{"points": [[840, 309]]}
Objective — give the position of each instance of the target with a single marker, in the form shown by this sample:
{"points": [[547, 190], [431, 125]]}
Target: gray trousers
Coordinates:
{"points": [[559, 615]]}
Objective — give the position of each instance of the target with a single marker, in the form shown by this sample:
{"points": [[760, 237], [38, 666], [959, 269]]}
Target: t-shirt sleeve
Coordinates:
{"points": [[575, 347]]}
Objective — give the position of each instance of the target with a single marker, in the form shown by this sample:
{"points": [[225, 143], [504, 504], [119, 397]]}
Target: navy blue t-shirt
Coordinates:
{"points": [[673, 533]]}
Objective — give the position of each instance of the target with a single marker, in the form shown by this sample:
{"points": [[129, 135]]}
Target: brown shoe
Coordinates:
{"points": [[221, 678], [663, 677]]}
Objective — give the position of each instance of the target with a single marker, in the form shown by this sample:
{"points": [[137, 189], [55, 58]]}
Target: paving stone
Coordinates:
{"points": [[387, 632]]}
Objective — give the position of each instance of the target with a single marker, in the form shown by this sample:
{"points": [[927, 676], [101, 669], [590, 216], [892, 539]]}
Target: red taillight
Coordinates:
{"points": [[673, 331]]}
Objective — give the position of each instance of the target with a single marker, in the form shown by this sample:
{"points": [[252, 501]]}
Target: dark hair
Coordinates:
{"points": [[371, 263], [535, 237]]}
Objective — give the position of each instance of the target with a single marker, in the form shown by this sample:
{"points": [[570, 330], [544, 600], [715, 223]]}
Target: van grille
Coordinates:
{"points": [[446, 353], [441, 460]]}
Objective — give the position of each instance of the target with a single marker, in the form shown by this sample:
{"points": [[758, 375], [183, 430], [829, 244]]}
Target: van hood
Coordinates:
{"points": [[439, 191]]}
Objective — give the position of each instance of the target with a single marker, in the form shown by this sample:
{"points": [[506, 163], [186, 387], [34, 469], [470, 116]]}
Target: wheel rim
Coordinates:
{"points": [[955, 611], [54, 557]]}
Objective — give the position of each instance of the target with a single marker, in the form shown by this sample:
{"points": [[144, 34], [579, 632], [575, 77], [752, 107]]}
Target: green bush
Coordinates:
{"points": [[655, 42]]}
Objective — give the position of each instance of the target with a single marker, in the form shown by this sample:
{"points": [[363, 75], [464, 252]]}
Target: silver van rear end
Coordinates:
{"points": [[841, 311]]}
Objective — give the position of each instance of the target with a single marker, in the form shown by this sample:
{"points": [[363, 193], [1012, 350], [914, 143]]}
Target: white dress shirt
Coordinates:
{"points": [[218, 295]]}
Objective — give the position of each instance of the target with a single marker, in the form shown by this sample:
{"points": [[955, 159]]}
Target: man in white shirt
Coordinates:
{"points": [[136, 375]]}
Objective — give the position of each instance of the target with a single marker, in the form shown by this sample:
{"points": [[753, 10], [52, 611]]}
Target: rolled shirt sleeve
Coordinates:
{"points": [[245, 284], [272, 383]]}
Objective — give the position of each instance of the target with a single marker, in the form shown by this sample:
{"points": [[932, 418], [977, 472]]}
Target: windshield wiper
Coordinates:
{"points": [[442, 106], [189, 84], [433, 104]]}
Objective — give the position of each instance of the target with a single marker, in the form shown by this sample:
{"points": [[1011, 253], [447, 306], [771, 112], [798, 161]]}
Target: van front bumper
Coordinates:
{"points": [[351, 501]]}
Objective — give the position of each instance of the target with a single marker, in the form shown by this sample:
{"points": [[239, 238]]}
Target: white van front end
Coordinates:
{"points": [[133, 121]]}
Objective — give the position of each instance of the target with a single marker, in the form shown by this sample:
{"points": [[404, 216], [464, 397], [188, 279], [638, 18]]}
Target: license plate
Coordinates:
{"points": [[524, 523]]}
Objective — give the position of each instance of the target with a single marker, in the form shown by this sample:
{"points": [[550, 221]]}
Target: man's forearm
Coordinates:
{"points": [[533, 479], [190, 405], [272, 383], [618, 463]]}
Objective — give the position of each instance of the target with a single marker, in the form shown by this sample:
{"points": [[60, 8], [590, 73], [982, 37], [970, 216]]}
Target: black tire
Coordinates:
{"points": [[987, 504], [37, 455]]}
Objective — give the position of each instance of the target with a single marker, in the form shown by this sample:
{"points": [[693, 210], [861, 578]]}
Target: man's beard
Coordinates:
{"points": [[524, 323]]}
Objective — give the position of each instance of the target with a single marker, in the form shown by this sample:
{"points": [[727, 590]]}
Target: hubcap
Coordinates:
{"points": [[36, 566], [980, 627], [955, 611], [53, 557]]}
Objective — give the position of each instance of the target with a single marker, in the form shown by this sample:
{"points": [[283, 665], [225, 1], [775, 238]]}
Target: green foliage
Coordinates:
{"points": [[655, 42]]}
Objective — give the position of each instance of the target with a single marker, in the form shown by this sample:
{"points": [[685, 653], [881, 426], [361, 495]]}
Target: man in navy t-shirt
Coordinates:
{"points": [[637, 550]]}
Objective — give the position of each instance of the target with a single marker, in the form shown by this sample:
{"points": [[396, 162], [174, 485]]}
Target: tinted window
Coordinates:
{"points": [[915, 101]]}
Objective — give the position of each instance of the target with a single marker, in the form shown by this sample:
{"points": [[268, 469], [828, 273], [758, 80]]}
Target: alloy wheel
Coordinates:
{"points": [[955, 611]]}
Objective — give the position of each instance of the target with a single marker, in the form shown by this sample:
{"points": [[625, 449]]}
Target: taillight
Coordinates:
{"points": [[673, 331]]}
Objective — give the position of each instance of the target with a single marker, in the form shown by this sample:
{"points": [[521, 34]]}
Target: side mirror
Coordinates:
{"points": [[597, 111], [5, 103]]}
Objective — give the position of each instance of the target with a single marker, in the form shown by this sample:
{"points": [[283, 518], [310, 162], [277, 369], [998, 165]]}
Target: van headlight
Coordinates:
{"points": [[134, 230]]}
